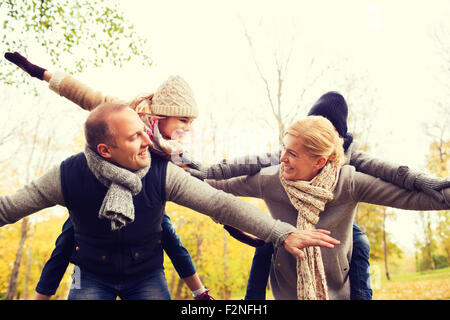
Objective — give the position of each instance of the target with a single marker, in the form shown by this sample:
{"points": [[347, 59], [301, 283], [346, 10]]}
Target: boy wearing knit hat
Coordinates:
{"points": [[333, 106]]}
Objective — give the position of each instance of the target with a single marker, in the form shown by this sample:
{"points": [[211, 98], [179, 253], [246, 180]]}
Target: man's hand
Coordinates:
{"points": [[299, 239]]}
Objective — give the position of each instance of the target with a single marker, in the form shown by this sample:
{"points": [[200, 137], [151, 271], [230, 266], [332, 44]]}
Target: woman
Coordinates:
{"points": [[311, 189]]}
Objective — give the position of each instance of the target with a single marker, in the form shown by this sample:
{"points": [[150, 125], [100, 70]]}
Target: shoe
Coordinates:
{"points": [[204, 296]]}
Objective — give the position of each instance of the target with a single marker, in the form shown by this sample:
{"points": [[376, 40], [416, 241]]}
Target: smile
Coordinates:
{"points": [[143, 154]]}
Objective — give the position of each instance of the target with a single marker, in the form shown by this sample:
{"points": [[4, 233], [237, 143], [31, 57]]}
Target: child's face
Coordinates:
{"points": [[174, 128]]}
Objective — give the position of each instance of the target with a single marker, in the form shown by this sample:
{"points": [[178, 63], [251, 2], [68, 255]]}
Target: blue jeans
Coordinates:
{"points": [[359, 273], [86, 286], [259, 273], [56, 266]]}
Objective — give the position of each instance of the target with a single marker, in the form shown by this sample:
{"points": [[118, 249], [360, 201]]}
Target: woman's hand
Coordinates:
{"points": [[299, 239]]}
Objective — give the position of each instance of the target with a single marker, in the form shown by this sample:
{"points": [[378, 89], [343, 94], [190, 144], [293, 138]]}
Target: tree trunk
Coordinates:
{"points": [[226, 289], [198, 256], [12, 288], [27, 275], [179, 288], [385, 245], [430, 242], [172, 282]]}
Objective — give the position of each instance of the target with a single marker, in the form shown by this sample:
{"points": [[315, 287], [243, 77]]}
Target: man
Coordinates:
{"points": [[115, 193]]}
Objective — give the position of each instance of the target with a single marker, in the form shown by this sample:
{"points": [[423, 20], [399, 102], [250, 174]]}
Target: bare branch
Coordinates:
{"points": [[264, 79]]}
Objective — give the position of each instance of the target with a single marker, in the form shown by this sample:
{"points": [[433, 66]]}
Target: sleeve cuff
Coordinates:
{"points": [[55, 81], [44, 291], [280, 232]]}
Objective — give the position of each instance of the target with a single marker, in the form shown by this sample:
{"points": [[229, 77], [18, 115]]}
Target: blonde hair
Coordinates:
{"points": [[320, 138]]}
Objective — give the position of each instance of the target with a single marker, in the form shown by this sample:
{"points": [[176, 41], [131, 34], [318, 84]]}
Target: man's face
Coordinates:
{"points": [[131, 140]]}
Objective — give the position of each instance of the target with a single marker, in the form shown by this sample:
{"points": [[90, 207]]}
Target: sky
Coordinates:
{"points": [[386, 43], [384, 47]]}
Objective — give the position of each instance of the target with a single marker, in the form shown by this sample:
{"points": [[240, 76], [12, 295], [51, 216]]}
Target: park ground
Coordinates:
{"points": [[426, 285]]}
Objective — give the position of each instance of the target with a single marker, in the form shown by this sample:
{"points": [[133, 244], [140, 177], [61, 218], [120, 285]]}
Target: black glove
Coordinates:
{"points": [[432, 186], [243, 237], [22, 62]]}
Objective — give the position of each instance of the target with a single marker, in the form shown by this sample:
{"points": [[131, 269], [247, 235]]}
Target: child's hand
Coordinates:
{"points": [[432, 186], [22, 62], [183, 166]]}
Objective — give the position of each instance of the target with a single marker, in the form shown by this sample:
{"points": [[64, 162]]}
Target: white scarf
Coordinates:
{"points": [[309, 198]]}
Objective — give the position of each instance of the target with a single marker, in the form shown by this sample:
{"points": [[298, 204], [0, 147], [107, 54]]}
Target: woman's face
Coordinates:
{"points": [[174, 128], [296, 163]]}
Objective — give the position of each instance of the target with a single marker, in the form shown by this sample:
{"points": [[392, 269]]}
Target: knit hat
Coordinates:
{"points": [[333, 106], [174, 98]]}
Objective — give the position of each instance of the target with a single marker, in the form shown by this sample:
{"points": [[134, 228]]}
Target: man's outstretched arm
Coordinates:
{"points": [[42, 193], [225, 208]]}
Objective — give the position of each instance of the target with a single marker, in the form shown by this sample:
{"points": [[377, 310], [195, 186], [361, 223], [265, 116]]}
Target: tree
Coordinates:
{"points": [[437, 238], [74, 34], [385, 246], [440, 36], [372, 219], [285, 100], [39, 159], [438, 159]]}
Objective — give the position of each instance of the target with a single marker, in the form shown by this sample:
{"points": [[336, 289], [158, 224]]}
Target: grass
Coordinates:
{"points": [[426, 285], [438, 274]]}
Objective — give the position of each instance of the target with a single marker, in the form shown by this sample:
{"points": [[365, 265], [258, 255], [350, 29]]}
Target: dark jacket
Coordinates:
{"points": [[128, 253]]}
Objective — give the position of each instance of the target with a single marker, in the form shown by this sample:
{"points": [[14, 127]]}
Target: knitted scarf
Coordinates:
{"points": [[160, 145], [122, 185], [309, 198]]}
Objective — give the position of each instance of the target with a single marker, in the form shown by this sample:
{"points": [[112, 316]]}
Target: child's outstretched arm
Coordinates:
{"points": [[63, 84], [181, 259], [402, 176], [227, 169]]}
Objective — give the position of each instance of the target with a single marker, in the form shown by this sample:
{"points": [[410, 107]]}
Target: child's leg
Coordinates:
{"points": [[56, 266], [259, 273], [359, 274]]}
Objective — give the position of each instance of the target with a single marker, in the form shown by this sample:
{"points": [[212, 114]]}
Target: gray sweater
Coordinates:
{"points": [[352, 187], [180, 188]]}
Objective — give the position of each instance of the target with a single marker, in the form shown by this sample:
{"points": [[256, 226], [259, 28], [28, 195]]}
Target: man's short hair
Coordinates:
{"points": [[96, 128]]}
